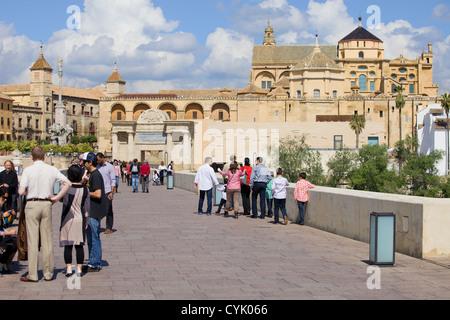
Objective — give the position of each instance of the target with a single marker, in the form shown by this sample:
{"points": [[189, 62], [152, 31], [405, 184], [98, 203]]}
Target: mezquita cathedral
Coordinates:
{"points": [[293, 91]]}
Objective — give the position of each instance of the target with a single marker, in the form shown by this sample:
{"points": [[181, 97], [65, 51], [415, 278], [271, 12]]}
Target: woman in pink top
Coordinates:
{"points": [[233, 187], [117, 173]]}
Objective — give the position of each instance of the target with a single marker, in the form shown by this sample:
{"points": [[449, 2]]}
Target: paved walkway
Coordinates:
{"points": [[161, 250]]}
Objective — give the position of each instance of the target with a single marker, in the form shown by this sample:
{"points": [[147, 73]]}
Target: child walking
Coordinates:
{"points": [[301, 195], [223, 200], [278, 190]]}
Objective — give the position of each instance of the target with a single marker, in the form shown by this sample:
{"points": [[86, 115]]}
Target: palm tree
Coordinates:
{"points": [[399, 104], [445, 103], [357, 123]]}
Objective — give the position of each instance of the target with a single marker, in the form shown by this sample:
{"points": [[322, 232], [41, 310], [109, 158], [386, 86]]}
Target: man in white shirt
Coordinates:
{"points": [[204, 180], [37, 183]]}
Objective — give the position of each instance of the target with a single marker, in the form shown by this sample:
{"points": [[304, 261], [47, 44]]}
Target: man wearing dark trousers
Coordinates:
{"points": [[258, 183], [109, 178]]}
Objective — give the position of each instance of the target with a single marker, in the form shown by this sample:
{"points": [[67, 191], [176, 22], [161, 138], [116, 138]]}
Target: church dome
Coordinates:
{"points": [[360, 34]]}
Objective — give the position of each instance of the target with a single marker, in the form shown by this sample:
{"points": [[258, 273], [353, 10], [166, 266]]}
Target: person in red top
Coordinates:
{"points": [[145, 174], [245, 188], [301, 195]]}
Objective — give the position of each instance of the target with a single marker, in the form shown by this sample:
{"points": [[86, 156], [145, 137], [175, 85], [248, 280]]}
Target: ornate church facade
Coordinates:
{"points": [[292, 91]]}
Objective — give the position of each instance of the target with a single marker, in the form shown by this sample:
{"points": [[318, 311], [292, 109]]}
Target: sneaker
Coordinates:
{"points": [[218, 213], [89, 268], [108, 231]]}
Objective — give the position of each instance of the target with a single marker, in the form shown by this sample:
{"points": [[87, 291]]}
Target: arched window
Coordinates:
{"points": [[316, 93], [361, 55], [363, 82]]}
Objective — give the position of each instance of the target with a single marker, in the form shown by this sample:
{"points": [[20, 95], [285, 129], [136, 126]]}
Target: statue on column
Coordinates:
{"points": [[60, 130]]}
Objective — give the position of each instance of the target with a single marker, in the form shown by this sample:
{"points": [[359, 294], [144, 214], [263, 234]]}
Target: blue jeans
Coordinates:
{"points": [[202, 198], [94, 243], [259, 188], [135, 181], [279, 204], [301, 206]]}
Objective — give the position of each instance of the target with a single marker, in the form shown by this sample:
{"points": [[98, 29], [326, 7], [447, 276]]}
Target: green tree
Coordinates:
{"points": [[357, 123], [75, 140], [88, 139], [339, 167], [295, 157], [372, 173], [445, 103], [84, 147], [399, 104], [404, 149], [418, 170], [8, 145], [27, 146]]}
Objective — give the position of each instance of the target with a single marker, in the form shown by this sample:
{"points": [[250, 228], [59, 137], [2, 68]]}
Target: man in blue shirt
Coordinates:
{"points": [[258, 183]]}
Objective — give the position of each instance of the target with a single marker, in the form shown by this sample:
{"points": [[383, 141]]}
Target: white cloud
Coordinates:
{"points": [[441, 12], [330, 19], [152, 52], [15, 55], [273, 4], [441, 67], [138, 36], [230, 53]]}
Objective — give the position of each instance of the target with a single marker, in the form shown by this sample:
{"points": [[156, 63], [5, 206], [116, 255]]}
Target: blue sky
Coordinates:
{"points": [[167, 44]]}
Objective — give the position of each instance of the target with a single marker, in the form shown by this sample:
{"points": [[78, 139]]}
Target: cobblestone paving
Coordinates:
{"points": [[161, 250]]}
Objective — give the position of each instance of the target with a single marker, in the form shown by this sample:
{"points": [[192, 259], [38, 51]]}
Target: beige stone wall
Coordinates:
{"points": [[6, 115]]}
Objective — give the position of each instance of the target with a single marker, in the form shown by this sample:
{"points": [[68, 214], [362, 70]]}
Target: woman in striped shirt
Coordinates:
{"points": [[301, 195]]}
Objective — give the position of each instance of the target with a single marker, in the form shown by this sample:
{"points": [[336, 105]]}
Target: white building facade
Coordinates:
{"points": [[432, 134]]}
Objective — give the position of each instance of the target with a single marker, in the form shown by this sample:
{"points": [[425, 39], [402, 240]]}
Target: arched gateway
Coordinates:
{"points": [[153, 137]]}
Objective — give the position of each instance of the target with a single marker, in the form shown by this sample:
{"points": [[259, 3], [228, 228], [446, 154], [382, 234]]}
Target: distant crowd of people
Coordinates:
{"points": [[134, 173], [243, 181]]}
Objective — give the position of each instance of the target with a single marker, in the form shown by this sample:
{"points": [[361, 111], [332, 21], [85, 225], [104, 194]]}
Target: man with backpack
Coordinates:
{"points": [[135, 170]]}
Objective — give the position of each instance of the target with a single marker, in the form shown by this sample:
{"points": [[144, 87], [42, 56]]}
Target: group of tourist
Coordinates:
{"points": [[241, 181], [86, 194], [134, 173]]}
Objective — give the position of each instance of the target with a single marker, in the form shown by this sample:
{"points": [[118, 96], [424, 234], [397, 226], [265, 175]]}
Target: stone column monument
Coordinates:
{"points": [[60, 130]]}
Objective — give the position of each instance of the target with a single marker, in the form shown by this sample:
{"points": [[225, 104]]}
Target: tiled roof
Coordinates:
{"points": [[145, 96], [278, 92], [5, 97], [14, 88], [115, 77], [317, 59], [90, 94], [41, 63], [287, 55], [253, 89], [360, 34], [201, 92]]}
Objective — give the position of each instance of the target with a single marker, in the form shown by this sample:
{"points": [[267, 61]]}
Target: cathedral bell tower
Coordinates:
{"points": [[41, 82], [269, 38]]}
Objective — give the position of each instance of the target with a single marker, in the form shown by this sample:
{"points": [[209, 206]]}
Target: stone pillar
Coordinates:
{"points": [[187, 151], [131, 155], [115, 145]]}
